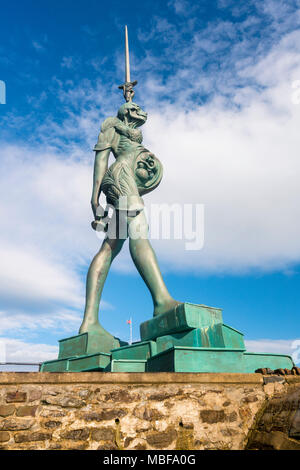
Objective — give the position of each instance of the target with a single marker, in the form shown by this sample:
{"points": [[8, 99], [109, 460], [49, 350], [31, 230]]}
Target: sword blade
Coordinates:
{"points": [[127, 64]]}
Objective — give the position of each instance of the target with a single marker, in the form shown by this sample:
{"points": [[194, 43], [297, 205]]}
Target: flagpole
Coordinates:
{"points": [[130, 341]]}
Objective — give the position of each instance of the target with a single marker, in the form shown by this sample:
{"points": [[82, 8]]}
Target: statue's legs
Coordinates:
{"points": [[96, 277], [146, 263]]}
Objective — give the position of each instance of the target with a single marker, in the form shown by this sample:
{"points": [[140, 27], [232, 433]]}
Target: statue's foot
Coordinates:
{"points": [[166, 307], [99, 339], [94, 328]]}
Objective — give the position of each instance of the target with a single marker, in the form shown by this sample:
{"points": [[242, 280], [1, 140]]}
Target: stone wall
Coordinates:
{"points": [[277, 425], [132, 410]]}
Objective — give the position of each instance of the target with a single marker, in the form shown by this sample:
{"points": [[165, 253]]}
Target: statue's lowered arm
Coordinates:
{"points": [[100, 167]]}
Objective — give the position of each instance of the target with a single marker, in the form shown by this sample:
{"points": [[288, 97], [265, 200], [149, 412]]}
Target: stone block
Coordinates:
{"points": [[65, 401], [31, 437], [212, 416], [34, 395], [52, 424], [7, 410], [161, 440], [103, 434], [15, 424], [4, 436], [295, 425], [76, 434], [26, 411], [106, 414], [16, 397]]}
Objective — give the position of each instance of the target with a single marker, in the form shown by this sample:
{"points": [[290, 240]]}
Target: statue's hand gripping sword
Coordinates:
{"points": [[127, 87]]}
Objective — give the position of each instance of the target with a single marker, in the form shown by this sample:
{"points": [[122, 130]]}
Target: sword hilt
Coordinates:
{"points": [[128, 91]]}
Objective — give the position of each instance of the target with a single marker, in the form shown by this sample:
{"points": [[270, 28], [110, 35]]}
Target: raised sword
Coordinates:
{"points": [[128, 85]]}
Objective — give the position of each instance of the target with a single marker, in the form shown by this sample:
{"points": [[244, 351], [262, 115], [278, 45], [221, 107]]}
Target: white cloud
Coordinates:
{"points": [[22, 351], [45, 233], [26, 324], [222, 121], [28, 274], [242, 163], [236, 153]]}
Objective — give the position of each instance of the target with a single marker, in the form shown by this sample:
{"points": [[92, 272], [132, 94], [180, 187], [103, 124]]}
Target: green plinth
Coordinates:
{"points": [[189, 359], [190, 338], [87, 343], [184, 317], [59, 365], [127, 365], [141, 350], [87, 363], [254, 361], [217, 336], [92, 362]]}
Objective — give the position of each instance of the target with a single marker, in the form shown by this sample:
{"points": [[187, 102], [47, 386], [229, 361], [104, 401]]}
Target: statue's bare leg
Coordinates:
{"points": [[146, 263], [96, 277]]}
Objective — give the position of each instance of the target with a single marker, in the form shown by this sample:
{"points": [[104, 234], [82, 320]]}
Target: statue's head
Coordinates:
{"points": [[132, 113]]}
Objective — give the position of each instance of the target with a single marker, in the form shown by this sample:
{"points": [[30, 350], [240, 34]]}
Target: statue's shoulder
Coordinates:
{"points": [[109, 123], [117, 124], [107, 134], [134, 135], [111, 130]]}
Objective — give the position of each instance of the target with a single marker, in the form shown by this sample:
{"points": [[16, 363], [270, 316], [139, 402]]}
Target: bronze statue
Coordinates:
{"points": [[135, 172]]}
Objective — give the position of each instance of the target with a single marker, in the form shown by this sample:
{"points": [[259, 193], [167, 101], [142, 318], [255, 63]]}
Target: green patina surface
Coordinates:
{"points": [[183, 317], [217, 336], [74, 346], [189, 338], [142, 350], [86, 344], [60, 365], [182, 337], [253, 361], [126, 365], [188, 359], [92, 362]]}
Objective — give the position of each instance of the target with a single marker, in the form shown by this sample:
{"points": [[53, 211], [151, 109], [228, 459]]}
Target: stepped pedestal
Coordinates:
{"points": [[190, 338]]}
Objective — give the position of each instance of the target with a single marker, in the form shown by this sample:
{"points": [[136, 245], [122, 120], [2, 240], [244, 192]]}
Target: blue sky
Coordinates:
{"points": [[216, 78]]}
